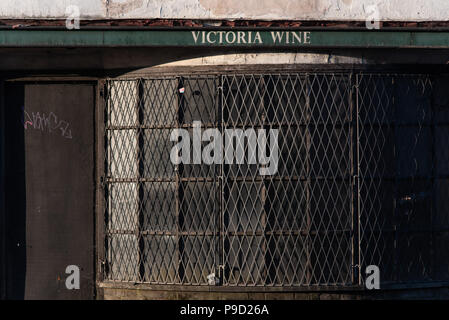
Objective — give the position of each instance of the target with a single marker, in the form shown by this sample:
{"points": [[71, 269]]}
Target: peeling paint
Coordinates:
{"points": [[260, 8], [116, 9]]}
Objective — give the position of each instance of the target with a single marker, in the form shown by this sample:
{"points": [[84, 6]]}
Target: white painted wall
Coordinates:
{"points": [[403, 10]]}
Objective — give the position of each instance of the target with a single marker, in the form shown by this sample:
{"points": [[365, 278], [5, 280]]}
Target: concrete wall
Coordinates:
{"points": [[403, 10]]}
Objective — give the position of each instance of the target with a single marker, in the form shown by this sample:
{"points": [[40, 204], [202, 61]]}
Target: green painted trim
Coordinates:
{"points": [[233, 38]]}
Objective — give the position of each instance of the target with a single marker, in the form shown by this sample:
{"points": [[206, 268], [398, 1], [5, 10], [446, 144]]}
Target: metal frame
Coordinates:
{"points": [[100, 210], [355, 154]]}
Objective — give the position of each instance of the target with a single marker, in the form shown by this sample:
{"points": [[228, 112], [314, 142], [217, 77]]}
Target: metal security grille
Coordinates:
{"points": [[362, 179], [403, 176], [292, 228]]}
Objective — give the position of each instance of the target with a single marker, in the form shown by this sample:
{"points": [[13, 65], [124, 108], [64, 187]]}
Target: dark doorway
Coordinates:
{"points": [[49, 189]]}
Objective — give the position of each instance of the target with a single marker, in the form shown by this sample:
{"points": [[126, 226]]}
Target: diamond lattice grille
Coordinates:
{"points": [[362, 178]]}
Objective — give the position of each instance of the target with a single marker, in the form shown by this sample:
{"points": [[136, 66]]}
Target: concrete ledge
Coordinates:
{"points": [[117, 292]]}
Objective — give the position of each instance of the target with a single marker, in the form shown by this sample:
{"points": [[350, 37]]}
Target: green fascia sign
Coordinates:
{"points": [[224, 38]]}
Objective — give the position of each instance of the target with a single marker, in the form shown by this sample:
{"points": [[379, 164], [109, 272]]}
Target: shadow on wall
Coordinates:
{"points": [[15, 193], [116, 61]]}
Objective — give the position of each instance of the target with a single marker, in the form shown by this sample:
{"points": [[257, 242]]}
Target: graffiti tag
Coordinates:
{"points": [[46, 122]]}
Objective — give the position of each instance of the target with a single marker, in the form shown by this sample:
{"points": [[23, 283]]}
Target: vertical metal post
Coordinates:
{"points": [[396, 183], [178, 195], [356, 214], [218, 183], [101, 189], [433, 179], [263, 196], [308, 241], [222, 228], [359, 239], [353, 137], [140, 173]]}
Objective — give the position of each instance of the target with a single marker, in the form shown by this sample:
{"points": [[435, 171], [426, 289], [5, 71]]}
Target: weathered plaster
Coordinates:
{"points": [[261, 8], [266, 58], [400, 10]]}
